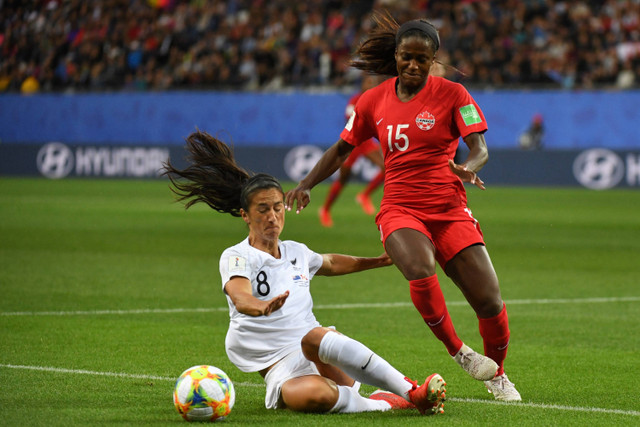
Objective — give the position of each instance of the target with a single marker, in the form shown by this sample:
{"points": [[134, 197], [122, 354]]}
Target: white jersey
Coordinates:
{"points": [[255, 343]]}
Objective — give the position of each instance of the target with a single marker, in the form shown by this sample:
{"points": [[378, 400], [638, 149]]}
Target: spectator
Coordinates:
{"points": [[78, 45], [531, 138]]}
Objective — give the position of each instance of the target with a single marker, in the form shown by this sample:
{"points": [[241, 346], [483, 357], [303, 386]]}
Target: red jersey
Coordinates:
{"points": [[351, 105], [418, 138], [364, 147]]}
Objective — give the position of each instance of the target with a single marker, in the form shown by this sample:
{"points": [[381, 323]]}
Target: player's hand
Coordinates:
{"points": [[275, 303], [385, 260], [466, 175], [299, 196]]}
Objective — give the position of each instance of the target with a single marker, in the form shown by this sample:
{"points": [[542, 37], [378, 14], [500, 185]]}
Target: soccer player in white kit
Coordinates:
{"points": [[272, 330]]}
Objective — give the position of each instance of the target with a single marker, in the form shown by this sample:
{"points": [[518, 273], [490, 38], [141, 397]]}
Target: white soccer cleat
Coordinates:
{"points": [[478, 366], [503, 389]]}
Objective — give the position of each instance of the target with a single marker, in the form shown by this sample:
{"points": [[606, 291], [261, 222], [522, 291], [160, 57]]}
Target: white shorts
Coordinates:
{"points": [[293, 365]]}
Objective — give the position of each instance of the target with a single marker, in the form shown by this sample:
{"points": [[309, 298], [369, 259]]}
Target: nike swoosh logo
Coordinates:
{"points": [[436, 323], [504, 347], [378, 122], [368, 361]]}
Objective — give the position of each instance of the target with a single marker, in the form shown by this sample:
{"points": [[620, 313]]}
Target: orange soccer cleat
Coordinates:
{"points": [[429, 397], [394, 400], [365, 201], [325, 217]]}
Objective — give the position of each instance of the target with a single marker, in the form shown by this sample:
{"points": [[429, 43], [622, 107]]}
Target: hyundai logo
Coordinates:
{"points": [[55, 160], [598, 169]]}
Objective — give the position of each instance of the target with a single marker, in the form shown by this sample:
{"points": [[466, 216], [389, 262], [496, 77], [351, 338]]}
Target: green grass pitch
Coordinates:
{"points": [[109, 290]]}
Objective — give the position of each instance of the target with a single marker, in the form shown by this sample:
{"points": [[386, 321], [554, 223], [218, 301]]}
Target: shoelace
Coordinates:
{"points": [[502, 381], [414, 384], [465, 357]]}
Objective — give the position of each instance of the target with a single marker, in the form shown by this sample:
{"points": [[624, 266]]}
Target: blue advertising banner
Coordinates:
{"points": [[596, 168], [571, 120]]}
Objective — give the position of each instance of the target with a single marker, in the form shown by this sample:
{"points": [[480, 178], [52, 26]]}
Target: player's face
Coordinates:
{"points": [[265, 217], [414, 57]]}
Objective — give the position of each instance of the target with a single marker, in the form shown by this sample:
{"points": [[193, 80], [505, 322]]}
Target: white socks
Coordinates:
{"points": [[361, 364], [349, 400]]}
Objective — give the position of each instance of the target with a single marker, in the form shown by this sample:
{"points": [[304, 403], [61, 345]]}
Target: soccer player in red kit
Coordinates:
{"points": [[418, 119], [369, 149]]}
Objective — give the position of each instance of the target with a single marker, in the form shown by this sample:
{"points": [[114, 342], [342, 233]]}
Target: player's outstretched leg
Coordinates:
{"points": [[478, 366], [323, 345]]}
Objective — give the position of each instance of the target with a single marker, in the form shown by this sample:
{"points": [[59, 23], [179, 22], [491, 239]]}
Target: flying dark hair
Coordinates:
{"points": [[377, 53], [213, 177]]}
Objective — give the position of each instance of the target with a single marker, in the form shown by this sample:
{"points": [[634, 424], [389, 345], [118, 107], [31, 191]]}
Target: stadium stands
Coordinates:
{"points": [[138, 45]]}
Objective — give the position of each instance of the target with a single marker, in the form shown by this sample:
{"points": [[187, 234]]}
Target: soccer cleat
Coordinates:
{"points": [[429, 397], [503, 389], [365, 202], [325, 217], [478, 366], [394, 400]]}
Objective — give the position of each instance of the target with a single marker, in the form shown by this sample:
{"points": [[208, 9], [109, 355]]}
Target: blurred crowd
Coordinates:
{"points": [[107, 45]]}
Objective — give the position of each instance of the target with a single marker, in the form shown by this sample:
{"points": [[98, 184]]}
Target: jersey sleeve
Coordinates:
{"points": [[314, 259], [315, 262], [351, 105], [358, 128], [234, 263], [467, 114]]}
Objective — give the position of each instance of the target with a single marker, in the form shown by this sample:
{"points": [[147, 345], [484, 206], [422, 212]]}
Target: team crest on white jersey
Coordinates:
{"points": [[300, 279], [237, 263], [425, 120]]}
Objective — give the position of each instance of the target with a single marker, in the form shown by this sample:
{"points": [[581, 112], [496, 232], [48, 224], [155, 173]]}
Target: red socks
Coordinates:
{"points": [[374, 183], [428, 299], [495, 333], [334, 192]]}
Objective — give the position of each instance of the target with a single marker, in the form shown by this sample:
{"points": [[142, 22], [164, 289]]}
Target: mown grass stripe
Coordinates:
{"points": [[106, 374], [318, 307], [248, 384]]}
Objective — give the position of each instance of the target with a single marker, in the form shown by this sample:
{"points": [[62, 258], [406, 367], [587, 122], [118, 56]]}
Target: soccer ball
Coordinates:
{"points": [[204, 393]]}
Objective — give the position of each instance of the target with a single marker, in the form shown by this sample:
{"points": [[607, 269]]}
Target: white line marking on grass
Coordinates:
{"points": [[546, 406], [247, 384], [509, 302], [574, 300], [317, 307], [107, 374], [102, 312]]}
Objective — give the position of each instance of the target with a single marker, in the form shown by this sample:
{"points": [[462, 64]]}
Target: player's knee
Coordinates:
{"points": [[415, 271], [311, 397], [311, 344], [489, 307], [414, 266], [322, 400]]}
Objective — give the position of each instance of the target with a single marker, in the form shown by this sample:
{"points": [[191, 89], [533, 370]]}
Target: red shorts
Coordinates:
{"points": [[361, 150], [450, 231]]}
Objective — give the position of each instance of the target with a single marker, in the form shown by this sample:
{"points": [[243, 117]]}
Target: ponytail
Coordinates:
{"points": [[213, 177]]}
